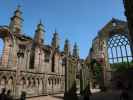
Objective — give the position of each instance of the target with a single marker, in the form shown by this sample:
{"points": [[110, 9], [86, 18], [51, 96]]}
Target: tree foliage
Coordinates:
{"points": [[96, 68], [122, 66]]}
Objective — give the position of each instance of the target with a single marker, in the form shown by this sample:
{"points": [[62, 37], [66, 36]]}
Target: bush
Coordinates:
{"points": [[123, 66]]}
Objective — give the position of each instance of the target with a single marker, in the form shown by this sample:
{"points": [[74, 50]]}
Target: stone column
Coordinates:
{"points": [[66, 75], [84, 78], [45, 84], [106, 66], [81, 82], [6, 50], [36, 58], [70, 78], [18, 72]]}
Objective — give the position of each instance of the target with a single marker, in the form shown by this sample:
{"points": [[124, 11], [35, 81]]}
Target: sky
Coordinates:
{"points": [[77, 20]]}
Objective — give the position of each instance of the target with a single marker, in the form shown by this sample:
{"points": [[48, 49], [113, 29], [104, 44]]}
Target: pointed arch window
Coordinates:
{"points": [[119, 49]]}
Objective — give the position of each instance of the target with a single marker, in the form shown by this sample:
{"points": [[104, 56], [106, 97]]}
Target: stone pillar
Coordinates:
{"points": [[84, 78], [66, 75], [37, 86], [62, 82], [27, 60], [36, 58], [81, 82], [6, 50], [70, 78], [18, 72], [106, 66], [45, 84]]}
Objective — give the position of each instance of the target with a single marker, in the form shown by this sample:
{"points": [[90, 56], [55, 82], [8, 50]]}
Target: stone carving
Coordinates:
{"points": [[27, 64]]}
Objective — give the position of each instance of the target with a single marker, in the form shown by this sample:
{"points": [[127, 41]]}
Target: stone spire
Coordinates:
{"points": [[16, 21], [67, 50], [75, 50], [39, 33], [55, 40]]}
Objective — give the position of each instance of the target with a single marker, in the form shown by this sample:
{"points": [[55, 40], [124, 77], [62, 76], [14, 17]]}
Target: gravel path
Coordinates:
{"points": [[110, 95]]}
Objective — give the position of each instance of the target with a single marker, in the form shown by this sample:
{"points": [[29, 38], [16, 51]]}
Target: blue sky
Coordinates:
{"points": [[77, 20]]}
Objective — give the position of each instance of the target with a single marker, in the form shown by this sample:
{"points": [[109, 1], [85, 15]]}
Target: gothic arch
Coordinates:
{"points": [[119, 49], [10, 83], [3, 82], [23, 81], [9, 44], [28, 82], [33, 82], [114, 34], [4, 32], [113, 37]]}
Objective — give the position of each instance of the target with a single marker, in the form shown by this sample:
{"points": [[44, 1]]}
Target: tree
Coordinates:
{"points": [[122, 66], [96, 68]]}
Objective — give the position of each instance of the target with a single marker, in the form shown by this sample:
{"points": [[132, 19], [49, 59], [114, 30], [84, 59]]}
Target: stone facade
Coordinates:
{"points": [[29, 65], [100, 46]]}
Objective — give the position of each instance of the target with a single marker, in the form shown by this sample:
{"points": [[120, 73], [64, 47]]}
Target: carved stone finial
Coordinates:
{"points": [[39, 33], [67, 47], [55, 40], [75, 50], [16, 21]]}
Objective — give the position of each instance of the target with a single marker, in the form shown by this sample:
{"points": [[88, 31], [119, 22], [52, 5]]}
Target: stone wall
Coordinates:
{"points": [[36, 81], [100, 45]]}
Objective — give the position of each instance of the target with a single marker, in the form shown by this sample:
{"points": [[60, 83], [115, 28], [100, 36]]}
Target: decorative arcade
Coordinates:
{"points": [[28, 65]]}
